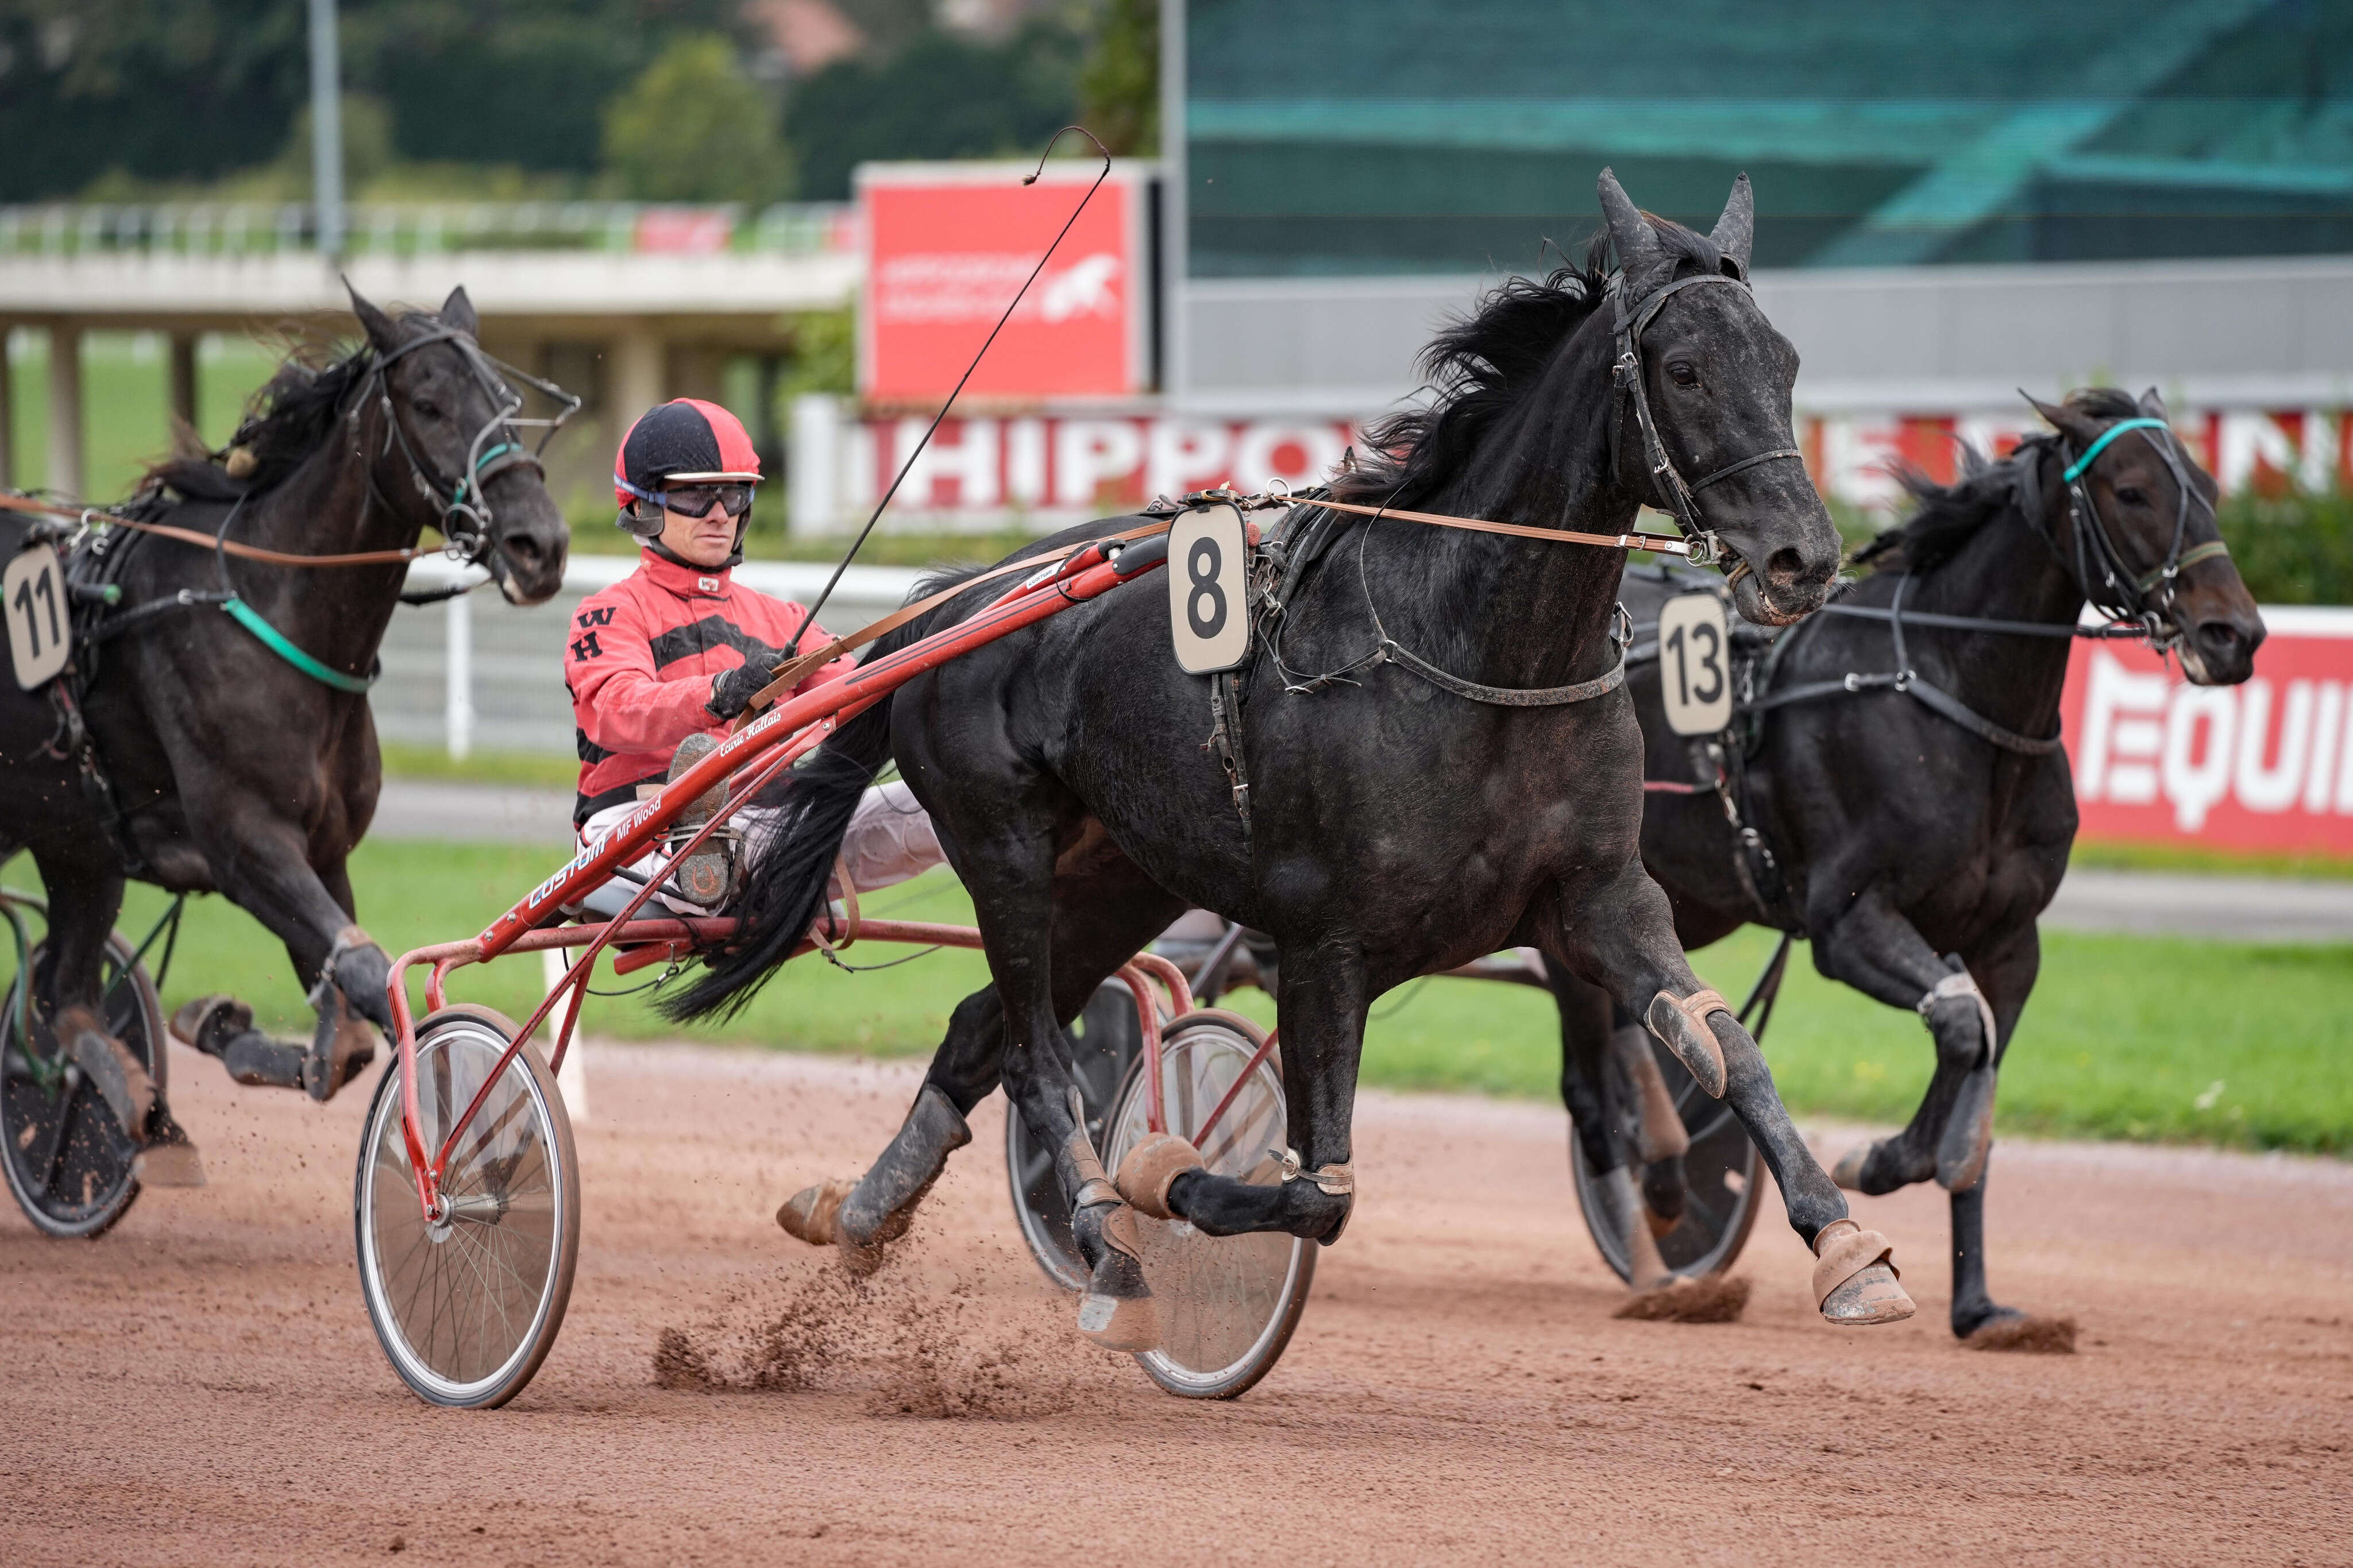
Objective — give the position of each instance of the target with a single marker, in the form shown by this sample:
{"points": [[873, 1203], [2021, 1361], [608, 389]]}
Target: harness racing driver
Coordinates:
{"points": [[659, 662]]}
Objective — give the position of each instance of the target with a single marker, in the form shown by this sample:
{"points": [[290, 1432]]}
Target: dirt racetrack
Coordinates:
{"points": [[201, 1386]]}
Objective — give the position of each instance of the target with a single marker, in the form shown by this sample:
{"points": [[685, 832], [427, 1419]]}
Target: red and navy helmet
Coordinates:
{"points": [[685, 441]]}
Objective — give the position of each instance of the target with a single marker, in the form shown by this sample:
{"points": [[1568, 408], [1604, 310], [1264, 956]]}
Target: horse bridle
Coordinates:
{"points": [[463, 508], [2107, 580], [1680, 496]]}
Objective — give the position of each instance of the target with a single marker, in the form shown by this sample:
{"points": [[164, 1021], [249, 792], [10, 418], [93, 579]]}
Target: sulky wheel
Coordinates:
{"points": [[466, 1305], [1104, 1041], [70, 1165], [1228, 1304], [1720, 1181]]}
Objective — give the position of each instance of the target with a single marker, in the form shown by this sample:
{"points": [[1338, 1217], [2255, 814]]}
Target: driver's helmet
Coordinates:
{"points": [[685, 443]]}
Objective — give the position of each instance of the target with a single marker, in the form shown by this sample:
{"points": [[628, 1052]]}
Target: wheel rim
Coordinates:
{"points": [[1223, 1300], [70, 1168], [460, 1304], [1719, 1183]]}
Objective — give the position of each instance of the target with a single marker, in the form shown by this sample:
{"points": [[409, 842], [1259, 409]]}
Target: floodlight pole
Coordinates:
{"points": [[327, 131]]}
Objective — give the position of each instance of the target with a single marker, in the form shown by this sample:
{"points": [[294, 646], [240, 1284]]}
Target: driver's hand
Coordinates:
{"points": [[732, 691]]}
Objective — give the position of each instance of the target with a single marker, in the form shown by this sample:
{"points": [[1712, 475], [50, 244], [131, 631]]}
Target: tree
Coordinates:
{"points": [[1119, 84], [694, 128]]}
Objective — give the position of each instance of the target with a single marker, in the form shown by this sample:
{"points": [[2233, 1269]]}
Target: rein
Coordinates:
{"points": [[90, 514]]}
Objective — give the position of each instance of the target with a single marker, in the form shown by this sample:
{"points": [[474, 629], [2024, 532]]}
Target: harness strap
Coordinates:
{"points": [[1504, 696], [276, 642], [206, 542], [1726, 472], [2189, 557]]}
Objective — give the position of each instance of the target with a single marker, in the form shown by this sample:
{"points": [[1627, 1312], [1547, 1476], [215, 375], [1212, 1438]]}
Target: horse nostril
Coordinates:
{"points": [[1785, 565], [2221, 636]]}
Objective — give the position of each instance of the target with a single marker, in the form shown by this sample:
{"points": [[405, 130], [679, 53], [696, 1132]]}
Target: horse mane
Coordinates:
{"points": [[1481, 365], [292, 416], [1946, 517]]}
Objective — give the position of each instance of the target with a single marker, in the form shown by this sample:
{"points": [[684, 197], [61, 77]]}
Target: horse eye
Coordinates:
{"points": [[1682, 372], [426, 408], [2132, 495]]}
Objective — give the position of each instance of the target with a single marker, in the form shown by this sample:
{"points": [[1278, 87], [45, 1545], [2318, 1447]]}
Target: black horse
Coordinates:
{"points": [[1915, 828], [1406, 813], [184, 751]]}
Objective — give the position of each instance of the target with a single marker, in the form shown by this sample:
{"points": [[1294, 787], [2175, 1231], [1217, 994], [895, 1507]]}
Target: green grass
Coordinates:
{"points": [[126, 421], [534, 770], [2227, 862], [2127, 1038]]}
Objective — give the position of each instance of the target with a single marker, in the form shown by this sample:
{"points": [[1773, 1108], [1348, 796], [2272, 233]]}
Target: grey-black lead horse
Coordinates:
{"points": [[215, 734], [1912, 809], [1464, 775]]}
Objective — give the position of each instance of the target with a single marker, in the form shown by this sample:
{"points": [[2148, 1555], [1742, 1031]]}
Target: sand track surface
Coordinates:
{"points": [[202, 1385]]}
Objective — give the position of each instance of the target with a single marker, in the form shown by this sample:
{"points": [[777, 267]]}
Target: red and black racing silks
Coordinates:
{"points": [[639, 664]]}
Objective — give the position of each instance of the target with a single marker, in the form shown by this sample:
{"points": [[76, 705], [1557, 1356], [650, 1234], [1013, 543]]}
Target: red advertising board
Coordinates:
{"points": [[947, 247], [2263, 766]]}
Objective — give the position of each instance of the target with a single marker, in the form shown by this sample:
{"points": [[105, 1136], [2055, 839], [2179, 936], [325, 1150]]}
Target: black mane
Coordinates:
{"points": [[292, 416], [1482, 363], [1947, 516]]}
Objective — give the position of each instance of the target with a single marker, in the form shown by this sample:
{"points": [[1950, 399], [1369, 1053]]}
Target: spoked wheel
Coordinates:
{"points": [[72, 1168], [1104, 1043], [1720, 1179], [466, 1306], [1228, 1304]]}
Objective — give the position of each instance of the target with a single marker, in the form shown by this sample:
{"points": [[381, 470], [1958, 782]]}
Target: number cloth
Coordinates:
{"points": [[639, 659]]}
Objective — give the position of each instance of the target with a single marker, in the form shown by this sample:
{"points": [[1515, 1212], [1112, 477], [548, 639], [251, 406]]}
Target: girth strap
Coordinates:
{"points": [[1504, 695]]}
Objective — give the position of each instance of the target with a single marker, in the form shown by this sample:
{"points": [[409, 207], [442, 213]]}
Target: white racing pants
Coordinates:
{"points": [[889, 840]]}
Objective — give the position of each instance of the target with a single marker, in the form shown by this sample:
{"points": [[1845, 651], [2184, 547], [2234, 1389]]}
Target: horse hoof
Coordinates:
{"points": [[810, 1215], [1117, 1311], [1961, 1152], [1870, 1297], [1145, 1175], [1854, 1282], [1847, 1173], [2025, 1334], [210, 1024], [1710, 1299], [880, 1207]]}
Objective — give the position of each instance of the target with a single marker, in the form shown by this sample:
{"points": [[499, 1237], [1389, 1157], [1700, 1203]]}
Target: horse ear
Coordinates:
{"points": [[1735, 231], [2152, 404], [375, 323], [457, 311], [2067, 420], [1638, 250]]}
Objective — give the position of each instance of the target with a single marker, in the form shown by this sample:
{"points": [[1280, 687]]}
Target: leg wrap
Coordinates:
{"points": [[1682, 1024], [1967, 1135], [118, 1075], [883, 1204], [1964, 983]]}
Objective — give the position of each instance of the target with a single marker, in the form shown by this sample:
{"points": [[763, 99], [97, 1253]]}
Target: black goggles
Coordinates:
{"points": [[695, 501]]}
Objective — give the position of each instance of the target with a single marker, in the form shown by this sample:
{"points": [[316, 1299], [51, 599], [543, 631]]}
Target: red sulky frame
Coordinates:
{"points": [[758, 751]]}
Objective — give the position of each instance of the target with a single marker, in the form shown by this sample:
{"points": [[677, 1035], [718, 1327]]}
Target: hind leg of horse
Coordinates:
{"points": [[1323, 996], [1105, 911], [2009, 969], [1592, 1077], [85, 897], [1874, 949], [1622, 937]]}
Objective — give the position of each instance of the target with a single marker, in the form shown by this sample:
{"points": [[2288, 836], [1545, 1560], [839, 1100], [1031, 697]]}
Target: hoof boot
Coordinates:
{"points": [[1961, 1152], [1848, 1171], [118, 1075], [1117, 1311], [811, 1213], [1873, 1296]]}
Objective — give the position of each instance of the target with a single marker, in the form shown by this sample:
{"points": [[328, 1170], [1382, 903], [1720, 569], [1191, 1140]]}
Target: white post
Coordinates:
{"points": [[572, 1077], [459, 658]]}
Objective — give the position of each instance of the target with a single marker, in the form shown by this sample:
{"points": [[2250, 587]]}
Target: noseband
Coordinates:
{"points": [[1680, 496], [463, 508], [2107, 580]]}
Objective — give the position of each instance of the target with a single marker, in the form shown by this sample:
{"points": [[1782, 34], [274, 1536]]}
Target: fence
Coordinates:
{"points": [[427, 228], [477, 672]]}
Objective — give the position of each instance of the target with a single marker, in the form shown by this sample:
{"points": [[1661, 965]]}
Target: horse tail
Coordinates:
{"points": [[793, 857]]}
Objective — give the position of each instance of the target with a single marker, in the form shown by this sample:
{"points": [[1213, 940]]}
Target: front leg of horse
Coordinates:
{"points": [[1322, 1007], [1875, 950], [1622, 937], [349, 974]]}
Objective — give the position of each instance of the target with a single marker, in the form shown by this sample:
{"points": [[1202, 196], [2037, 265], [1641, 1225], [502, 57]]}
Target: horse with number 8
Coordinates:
{"points": [[1464, 775]]}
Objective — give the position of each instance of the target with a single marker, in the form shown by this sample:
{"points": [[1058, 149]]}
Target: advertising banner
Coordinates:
{"points": [[2263, 766], [947, 248]]}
